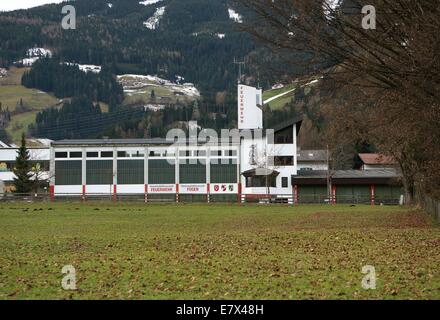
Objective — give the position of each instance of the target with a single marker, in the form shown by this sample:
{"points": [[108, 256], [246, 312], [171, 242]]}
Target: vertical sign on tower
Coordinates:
{"points": [[250, 115]]}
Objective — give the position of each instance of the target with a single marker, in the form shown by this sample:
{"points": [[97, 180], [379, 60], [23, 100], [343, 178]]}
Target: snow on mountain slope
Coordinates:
{"points": [[133, 84], [149, 2], [86, 67], [32, 55], [38, 52], [6, 5], [153, 22], [233, 15]]}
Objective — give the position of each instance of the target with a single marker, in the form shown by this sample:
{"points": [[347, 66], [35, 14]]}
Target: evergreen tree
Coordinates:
{"points": [[22, 169]]}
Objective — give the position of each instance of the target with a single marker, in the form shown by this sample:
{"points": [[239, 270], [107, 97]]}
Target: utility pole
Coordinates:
{"points": [[258, 81], [240, 64], [329, 186]]}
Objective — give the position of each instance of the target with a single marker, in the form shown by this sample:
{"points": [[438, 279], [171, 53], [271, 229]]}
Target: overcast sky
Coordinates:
{"points": [[9, 5]]}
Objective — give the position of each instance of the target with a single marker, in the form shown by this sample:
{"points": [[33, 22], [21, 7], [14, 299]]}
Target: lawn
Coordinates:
{"points": [[11, 92], [281, 102], [33, 99], [19, 124], [274, 92], [134, 251]]}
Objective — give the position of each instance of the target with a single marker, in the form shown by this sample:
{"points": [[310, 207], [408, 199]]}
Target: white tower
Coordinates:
{"points": [[250, 114]]}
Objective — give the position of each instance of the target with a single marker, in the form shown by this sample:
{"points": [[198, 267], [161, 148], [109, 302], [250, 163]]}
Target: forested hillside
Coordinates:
{"points": [[195, 39], [69, 81]]}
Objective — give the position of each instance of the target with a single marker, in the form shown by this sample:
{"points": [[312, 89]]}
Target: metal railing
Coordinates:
{"points": [[431, 205]]}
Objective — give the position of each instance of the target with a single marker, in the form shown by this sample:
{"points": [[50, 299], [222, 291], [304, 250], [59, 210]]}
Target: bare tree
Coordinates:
{"points": [[386, 80], [263, 160]]}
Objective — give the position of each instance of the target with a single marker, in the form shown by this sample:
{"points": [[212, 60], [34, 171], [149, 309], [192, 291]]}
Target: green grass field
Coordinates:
{"points": [[11, 91], [274, 92], [19, 124], [281, 101], [32, 98], [134, 251]]}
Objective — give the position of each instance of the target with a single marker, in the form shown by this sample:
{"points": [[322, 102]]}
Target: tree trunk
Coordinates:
{"points": [[267, 186], [408, 189]]}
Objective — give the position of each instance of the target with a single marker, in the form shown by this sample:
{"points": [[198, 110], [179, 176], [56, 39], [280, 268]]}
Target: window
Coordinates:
{"points": [[261, 182], [231, 153], [6, 166], [223, 173], [216, 153], [258, 97], [92, 155], [192, 173], [284, 136], [284, 182], [155, 154], [202, 153], [122, 154], [76, 154], [137, 154], [61, 155], [131, 172], [282, 161], [185, 153], [107, 154], [68, 173], [99, 172], [161, 172]]}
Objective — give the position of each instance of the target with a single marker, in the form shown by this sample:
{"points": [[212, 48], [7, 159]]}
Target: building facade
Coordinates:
{"points": [[39, 159], [153, 168], [312, 160], [246, 163], [159, 168], [381, 186], [249, 161]]}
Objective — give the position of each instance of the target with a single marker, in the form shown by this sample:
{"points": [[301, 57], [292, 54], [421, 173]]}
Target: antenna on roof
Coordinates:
{"points": [[258, 80], [240, 65]]}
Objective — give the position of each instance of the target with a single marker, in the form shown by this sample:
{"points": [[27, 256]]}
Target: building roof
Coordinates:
{"points": [[312, 155], [111, 142], [377, 176], [283, 125], [128, 142], [260, 172], [376, 158]]}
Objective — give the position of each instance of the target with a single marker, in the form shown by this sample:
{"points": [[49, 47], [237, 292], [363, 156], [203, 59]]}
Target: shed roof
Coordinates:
{"points": [[376, 158], [298, 119], [380, 176], [260, 172]]}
